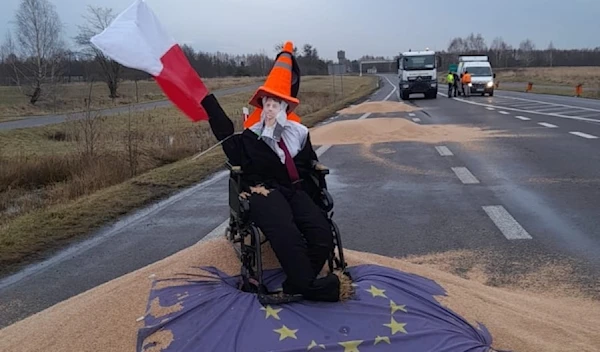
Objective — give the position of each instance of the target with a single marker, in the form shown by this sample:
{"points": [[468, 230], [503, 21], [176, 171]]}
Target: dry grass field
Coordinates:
{"points": [[61, 181], [72, 97], [558, 76]]}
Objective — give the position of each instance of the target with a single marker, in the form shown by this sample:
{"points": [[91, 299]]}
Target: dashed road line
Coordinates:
{"points": [[364, 116], [416, 119], [504, 112], [584, 135], [490, 109], [509, 227], [522, 118], [443, 150], [464, 175], [545, 124], [411, 114]]}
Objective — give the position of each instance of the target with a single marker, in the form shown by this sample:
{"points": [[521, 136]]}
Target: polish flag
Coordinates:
{"points": [[136, 39]]}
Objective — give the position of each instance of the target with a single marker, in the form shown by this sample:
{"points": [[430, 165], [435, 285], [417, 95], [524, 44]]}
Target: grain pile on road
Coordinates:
{"points": [[394, 129], [106, 317], [378, 107]]}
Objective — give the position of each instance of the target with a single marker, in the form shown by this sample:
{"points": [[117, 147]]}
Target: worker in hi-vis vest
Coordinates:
{"points": [[466, 81], [450, 81]]}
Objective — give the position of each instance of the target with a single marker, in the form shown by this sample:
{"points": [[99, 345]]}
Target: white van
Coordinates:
{"points": [[482, 76]]}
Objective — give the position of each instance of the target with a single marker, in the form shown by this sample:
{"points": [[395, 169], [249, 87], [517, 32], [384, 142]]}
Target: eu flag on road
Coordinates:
{"points": [[390, 311]]}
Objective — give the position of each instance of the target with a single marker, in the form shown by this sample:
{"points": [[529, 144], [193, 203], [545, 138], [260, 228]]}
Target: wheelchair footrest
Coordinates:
{"points": [[278, 298]]}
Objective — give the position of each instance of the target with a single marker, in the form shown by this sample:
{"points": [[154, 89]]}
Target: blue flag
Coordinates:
{"points": [[390, 311]]}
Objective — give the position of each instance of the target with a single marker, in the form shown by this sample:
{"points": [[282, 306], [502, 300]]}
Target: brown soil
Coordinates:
{"points": [[104, 318]]}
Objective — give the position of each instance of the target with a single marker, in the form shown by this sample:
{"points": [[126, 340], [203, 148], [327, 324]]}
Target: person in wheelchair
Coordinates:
{"points": [[275, 154]]}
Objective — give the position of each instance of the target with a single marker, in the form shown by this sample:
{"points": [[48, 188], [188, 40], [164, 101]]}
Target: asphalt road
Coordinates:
{"points": [[528, 199], [35, 121]]}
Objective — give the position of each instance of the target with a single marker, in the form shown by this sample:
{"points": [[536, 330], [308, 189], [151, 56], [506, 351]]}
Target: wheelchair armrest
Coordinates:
{"points": [[320, 168], [235, 169]]}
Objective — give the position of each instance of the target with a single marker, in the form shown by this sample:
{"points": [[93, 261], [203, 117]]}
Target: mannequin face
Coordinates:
{"points": [[271, 108]]}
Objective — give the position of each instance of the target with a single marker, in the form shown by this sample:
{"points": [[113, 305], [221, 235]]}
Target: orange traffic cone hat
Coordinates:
{"points": [[279, 81]]}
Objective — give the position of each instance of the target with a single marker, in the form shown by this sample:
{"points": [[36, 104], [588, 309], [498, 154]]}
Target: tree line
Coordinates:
{"points": [[35, 57], [526, 54]]}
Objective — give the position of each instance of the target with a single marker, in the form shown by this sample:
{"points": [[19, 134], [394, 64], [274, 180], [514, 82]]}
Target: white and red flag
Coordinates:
{"points": [[137, 39]]}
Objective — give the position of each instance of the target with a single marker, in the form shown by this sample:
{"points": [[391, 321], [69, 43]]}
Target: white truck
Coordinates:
{"points": [[417, 72], [482, 76]]}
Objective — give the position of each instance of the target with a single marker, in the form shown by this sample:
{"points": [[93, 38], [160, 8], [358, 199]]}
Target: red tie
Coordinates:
{"points": [[289, 162]]}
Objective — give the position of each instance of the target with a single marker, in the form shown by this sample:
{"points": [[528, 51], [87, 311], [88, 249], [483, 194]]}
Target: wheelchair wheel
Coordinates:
{"points": [[251, 258]]}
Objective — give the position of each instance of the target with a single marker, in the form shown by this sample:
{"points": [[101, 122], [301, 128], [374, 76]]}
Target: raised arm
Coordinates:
{"points": [[222, 127]]}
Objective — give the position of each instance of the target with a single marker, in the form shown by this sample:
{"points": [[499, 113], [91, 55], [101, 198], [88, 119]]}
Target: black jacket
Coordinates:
{"points": [[260, 164]]}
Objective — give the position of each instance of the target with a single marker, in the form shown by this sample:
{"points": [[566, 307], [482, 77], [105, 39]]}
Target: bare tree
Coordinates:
{"points": [[98, 19], [526, 48], [88, 128], [500, 49], [39, 34], [550, 52], [475, 43], [132, 144], [457, 45]]}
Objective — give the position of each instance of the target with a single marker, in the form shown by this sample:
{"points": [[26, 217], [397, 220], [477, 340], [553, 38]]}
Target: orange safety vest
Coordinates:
{"points": [[466, 78]]}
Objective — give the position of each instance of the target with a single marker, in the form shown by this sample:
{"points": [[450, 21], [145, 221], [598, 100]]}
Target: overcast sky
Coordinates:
{"points": [[245, 26]]}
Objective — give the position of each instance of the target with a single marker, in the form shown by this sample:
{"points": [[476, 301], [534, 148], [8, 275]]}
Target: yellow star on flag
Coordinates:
{"points": [[313, 344], [376, 292], [395, 326], [351, 346], [379, 339], [396, 307], [285, 332], [271, 312]]}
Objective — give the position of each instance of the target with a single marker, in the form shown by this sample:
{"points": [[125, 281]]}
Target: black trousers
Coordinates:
{"points": [[301, 238]]}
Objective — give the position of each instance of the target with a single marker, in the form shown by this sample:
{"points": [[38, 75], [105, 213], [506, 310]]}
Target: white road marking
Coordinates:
{"points": [[504, 112], [525, 105], [522, 118], [491, 109], [522, 105], [545, 124], [556, 109], [416, 119], [591, 114], [509, 227], [411, 114], [557, 104], [393, 91], [364, 116], [443, 150], [464, 175], [584, 135], [531, 111]]}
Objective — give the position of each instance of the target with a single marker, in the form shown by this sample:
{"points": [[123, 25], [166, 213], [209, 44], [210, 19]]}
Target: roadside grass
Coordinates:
{"points": [[72, 97], [589, 76], [59, 183]]}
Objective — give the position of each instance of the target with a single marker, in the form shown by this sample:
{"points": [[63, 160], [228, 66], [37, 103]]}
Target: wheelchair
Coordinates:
{"points": [[243, 231]]}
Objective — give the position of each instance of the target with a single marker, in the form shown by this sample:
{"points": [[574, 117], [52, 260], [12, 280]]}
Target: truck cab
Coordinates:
{"points": [[482, 75], [417, 73]]}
